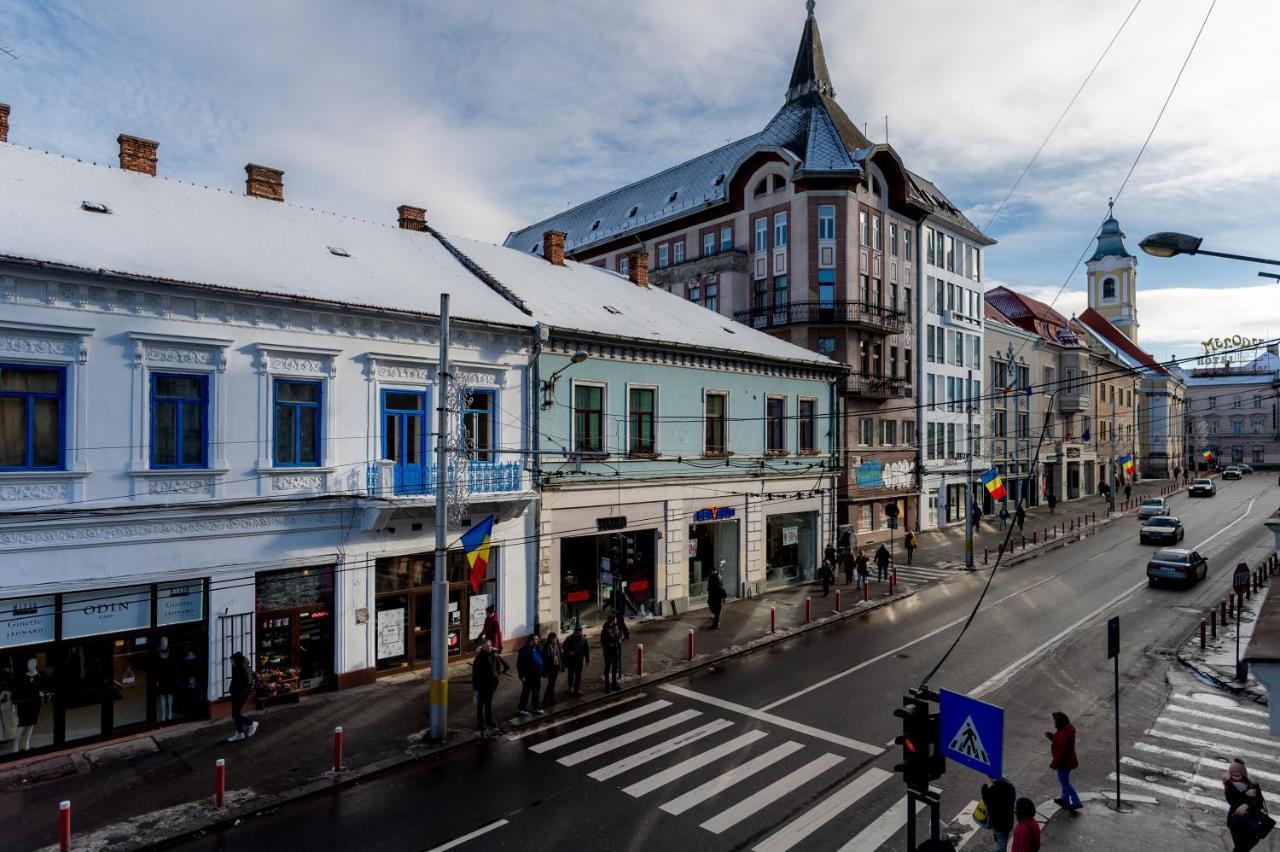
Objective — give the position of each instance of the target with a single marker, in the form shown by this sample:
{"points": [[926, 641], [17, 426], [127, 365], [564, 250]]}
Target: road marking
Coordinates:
{"points": [[458, 841], [693, 764], [1228, 526], [882, 830], [583, 733], [966, 816], [1172, 792], [629, 738], [1221, 732], [1247, 711], [722, 782], [578, 717], [1218, 717], [1203, 743], [762, 798], [798, 727], [827, 810], [1219, 763], [629, 763], [1189, 778]]}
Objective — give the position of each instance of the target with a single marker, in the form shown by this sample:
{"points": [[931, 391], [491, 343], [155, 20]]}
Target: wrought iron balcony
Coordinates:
{"points": [[876, 387], [859, 314], [386, 478]]}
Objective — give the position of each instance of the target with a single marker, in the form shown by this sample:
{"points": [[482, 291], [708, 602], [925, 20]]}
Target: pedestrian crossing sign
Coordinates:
{"points": [[972, 732]]}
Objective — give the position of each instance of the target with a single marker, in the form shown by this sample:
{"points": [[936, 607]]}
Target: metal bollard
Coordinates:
{"points": [[808, 610], [866, 591], [1222, 613], [1024, 540], [773, 619], [1213, 623], [837, 600], [64, 826], [1202, 634], [691, 643], [1231, 606], [337, 749], [893, 580], [219, 782], [640, 660], [1033, 537], [985, 555]]}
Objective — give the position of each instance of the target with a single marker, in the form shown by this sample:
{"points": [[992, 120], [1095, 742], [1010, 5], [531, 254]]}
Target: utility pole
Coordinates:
{"points": [[439, 689], [968, 484], [1111, 468]]}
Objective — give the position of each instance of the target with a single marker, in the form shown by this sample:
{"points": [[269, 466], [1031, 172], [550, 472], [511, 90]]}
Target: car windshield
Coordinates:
{"points": [[1179, 556], [1163, 522], [1156, 502], [1204, 482]]}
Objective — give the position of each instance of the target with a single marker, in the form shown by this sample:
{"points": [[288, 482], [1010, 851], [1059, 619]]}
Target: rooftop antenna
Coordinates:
{"points": [[886, 130]]}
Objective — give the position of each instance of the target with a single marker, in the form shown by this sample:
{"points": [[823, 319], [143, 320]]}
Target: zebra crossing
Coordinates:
{"points": [[914, 576], [727, 773], [1183, 756]]}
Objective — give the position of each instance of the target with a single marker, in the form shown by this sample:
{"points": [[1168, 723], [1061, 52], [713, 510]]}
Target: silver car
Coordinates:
{"points": [[1152, 507]]}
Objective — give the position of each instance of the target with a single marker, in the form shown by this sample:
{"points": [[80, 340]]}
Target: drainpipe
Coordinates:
{"points": [[534, 395], [835, 456]]}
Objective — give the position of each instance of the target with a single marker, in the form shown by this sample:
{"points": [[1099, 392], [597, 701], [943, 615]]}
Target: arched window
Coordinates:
{"points": [[1108, 288], [762, 187], [779, 182]]}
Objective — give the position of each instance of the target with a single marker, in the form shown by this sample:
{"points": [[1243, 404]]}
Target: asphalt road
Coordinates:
{"points": [[788, 748]]}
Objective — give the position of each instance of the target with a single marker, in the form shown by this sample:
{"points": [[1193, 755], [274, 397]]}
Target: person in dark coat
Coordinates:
{"points": [[860, 563], [611, 647], [1244, 806], [551, 662], [1052, 500], [1063, 752], [486, 671], [882, 563], [846, 561], [529, 670], [574, 654], [831, 556], [241, 686], [999, 797], [1019, 517], [1128, 489], [826, 575], [910, 543], [715, 596]]}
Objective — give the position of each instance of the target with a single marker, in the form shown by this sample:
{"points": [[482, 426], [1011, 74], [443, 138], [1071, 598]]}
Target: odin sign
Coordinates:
{"points": [[105, 611]]}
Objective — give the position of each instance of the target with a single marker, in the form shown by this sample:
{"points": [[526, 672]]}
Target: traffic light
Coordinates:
{"points": [[630, 556], [922, 759]]}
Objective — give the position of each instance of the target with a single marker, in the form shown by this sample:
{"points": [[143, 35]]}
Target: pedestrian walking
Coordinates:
{"points": [[827, 575], [998, 797], [1004, 517], [846, 560], [715, 596], [1052, 500], [529, 670], [611, 647], [574, 654], [551, 663], [486, 671], [860, 565], [1128, 489], [242, 682], [1019, 517], [1026, 833], [910, 543], [1247, 817], [976, 511], [831, 556], [1063, 752], [492, 630], [882, 564]]}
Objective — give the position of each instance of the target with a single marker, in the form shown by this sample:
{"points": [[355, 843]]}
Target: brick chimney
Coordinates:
{"points": [[264, 182], [137, 154], [553, 247], [638, 267], [4, 122], [412, 218]]}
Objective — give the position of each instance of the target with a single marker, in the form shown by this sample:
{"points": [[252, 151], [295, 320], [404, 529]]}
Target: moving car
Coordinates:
{"points": [[1164, 529], [1177, 565], [1231, 472], [1245, 469], [1202, 488], [1152, 507]]}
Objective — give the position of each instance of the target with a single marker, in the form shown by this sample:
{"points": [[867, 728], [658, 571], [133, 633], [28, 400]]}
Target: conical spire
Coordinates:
{"points": [[1110, 237], [810, 71]]}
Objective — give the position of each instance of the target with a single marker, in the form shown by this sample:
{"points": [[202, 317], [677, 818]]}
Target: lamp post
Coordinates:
{"points": [[1171, 243], [549, 386]]}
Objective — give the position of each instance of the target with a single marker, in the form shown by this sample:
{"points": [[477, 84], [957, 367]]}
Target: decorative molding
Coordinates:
{"points": [[299, 482], [403, 372], [39, 345], [477, 378], [33, 491], [184, 356], [180, 485]]}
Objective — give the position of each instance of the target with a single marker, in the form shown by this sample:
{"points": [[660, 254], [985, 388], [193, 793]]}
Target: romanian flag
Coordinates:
{"points": [[995, 486], [1127, 463], [1208, 455], [475, 542]]}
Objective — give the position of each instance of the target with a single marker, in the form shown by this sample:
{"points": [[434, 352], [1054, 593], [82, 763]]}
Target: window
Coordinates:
{"points": [[1108, 288], [951, 254], [640, 415], [893, 238], [781, 292], [588, 418], [762, 234], [999, 424], [864, 236], [875, 292], [977, 264], [889, 432], [726, 238], [677, 252], [951, 296], [1213, 402], [622, 265], [404, 436], [1237, 425], [1235, 403], [893, 361], [865, 432], [906, 365], [906, 303], [893, 295], [909, 432], [1257, 402], [931, 443], [478, 425], [940, 302], [713, 418], [976, 340], [297, 423], [760, 294], [664, 258], [708, 244], [693, 292], [875, 233], [762, 187], [826, 287], [968, 261], [929, 354], [827, 346], [864, 289], [32, 402], [779, 229], [808, 426], [959, 358], [951, 440], [775, 415], [932, 391], [826, 222], [906, 245], [179, 420], [712, 301]]}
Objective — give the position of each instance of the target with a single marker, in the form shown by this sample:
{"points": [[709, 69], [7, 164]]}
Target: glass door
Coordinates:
{"points": [[85, 690], [130, 662], [404, 438]]}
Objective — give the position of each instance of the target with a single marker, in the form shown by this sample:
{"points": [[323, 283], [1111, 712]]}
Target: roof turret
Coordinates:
{"points": [[1110, 237], [810, 74]]}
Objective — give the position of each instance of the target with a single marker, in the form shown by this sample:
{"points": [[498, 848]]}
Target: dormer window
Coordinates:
{"points": [[778, 183], [762, 188]]}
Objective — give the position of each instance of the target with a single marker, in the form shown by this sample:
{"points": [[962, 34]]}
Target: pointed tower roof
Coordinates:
{"points": [[1110, 238], [810, 74]]}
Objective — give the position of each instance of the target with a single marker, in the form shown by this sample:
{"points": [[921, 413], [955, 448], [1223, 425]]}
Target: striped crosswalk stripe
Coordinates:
{"points": [[692, 764], [1209, 729], [1191, 700], [1203, 743], [1215, 763], [882, 829], [1252, 724], [722, 782], [819, 815], [760, 799], [643, 757], [1172, 793], [611, 722], [629, 738]]}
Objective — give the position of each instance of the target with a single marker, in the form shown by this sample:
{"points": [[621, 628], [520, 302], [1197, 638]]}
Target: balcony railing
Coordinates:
{"points": [[719, 263], [386, 478], [860, 314], [1073, 401], [877, 387]]}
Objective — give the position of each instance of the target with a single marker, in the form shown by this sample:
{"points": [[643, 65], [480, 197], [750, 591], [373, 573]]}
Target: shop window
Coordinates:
{"points": [[604, 573], [791, 547], [32, 402], [295, 631], [478, 425], [404, 438], [588, 418], [775, 412], [642, 404], [808, 426], [297, 423], [715, 439], [179, 420]]}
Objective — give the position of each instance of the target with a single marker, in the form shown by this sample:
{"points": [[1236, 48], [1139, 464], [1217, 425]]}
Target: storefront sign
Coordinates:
{"points": [[615, 522], [26, 621], [790, 535], [390, 633], [578, 597], [178, 603], [638, 586], [1073, 452], [476, 606], [870, 475], [715, 513], [105, 611]]}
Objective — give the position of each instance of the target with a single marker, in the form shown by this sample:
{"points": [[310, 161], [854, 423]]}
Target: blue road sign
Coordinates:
{"points": [[971, 732]]}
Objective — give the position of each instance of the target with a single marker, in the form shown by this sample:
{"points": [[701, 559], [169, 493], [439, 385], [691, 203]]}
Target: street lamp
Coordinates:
{"points": [[1170, 243], [549, 386]]}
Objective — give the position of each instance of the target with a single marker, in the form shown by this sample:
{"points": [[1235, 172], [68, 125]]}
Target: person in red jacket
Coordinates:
{"points": [[1026, 833], [1063, 750], [492, 630]]}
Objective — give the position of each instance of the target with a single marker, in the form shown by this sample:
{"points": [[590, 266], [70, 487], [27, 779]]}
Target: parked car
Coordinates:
{"points": [[1164, 529], [1202, 488], [1177, 565], [1231, 472], [1245, 469], [1152, 507]]}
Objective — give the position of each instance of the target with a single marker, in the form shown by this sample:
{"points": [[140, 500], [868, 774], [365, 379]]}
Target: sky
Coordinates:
{"points": [[496, 113]]}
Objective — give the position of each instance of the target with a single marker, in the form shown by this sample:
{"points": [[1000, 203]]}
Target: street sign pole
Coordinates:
{"points": [[1113, 651], [1240, 583], [911, 819]]}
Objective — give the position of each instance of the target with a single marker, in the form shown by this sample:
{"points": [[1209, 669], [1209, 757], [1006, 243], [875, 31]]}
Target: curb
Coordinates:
{"points": [[464, 737], [1257, 696]]}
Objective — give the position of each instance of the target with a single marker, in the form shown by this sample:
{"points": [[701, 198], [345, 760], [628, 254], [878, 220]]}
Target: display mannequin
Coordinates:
{"points": [[166, 676], [28, 694]]}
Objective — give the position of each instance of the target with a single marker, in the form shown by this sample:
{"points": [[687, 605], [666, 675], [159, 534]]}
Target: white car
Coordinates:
{"points": [[1152, 507]]}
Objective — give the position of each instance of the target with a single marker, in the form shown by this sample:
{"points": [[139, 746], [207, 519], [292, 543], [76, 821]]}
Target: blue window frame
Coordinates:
{"points": [[179, 420], [478, 422], [297, 423], [404, 437], [826, 287], [32, 417]]}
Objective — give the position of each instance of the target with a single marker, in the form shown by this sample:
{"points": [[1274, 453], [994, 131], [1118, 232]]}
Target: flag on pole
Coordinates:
{"points": [[475, 543], [1085, 436], [1208, 455], [1127, 461], [995, 486]]}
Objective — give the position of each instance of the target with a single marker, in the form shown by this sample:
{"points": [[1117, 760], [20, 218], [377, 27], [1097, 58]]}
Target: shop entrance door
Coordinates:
{"points": [[422, 625], [85, 691], [711, 544]]}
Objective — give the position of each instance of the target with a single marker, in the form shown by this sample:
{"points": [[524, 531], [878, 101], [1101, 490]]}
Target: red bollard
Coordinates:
{"points": [[1024, 540], [1231, 606], [1222, 613], [1033, 537], [893, 580], [808, 610], [1202, 634], [837, 600], [337, 749], [773, 619], [1213, 623], [64, 826], [1073, 524], [219, 782], [866, 591], [691, 643], [640, 660]]}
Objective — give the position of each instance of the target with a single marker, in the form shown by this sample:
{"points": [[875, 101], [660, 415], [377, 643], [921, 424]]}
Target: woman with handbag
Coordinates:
{"points": [[1247, 817]]}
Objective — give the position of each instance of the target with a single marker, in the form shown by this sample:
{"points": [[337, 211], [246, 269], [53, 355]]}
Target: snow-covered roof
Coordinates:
{"points": [[168, 230], [582, 298]]}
